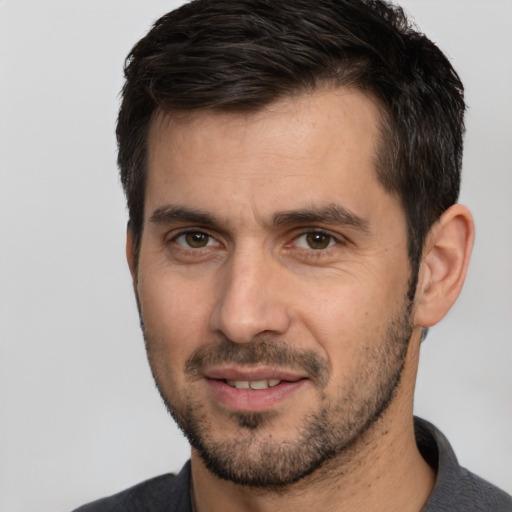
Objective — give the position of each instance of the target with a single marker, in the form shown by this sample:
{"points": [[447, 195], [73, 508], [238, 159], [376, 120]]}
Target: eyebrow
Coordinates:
{"points": [[333, 214], [172, 213]]}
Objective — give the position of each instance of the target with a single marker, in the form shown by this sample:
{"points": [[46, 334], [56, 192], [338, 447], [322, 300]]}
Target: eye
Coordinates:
{"points": [[316, 240], [195, 240]]}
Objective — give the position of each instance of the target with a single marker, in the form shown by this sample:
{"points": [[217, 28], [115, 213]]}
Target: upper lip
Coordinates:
{"points": [[251, 374]]}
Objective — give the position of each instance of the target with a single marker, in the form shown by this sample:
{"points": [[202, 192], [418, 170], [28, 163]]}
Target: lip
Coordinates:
{"points": [[252, 373], [259, 400]]}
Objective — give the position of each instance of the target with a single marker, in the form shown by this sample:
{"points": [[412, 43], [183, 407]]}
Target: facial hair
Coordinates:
{"points": [[254, 459]]}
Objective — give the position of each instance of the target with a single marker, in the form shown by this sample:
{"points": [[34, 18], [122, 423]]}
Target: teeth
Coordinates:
{"points": [[258, 384], [253, 384]]}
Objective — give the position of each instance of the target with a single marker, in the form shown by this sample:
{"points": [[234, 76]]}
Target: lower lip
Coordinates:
{"points": [[255, 400]]}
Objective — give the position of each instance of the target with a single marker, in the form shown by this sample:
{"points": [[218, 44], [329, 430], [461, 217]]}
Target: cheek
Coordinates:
{"points": [[348, 320], [174, 317]]}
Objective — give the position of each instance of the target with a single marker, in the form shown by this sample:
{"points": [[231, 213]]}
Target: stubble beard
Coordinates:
{"points": [[251, 458]]}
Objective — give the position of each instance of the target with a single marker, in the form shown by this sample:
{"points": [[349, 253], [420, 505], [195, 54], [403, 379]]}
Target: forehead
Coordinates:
{"points": [[313, 148]]}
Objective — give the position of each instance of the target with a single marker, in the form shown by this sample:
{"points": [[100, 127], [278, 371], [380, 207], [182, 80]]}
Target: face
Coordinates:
{"points": [[271, 281]]}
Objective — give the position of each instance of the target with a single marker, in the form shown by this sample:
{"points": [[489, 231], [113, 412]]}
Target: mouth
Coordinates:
{"points": [[253, 384], [252, 390]]}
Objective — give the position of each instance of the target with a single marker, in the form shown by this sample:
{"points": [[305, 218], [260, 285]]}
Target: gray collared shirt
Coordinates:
{"points": [[456, 489]]}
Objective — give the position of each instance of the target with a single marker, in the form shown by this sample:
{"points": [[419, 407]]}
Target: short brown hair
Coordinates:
{"points": [[242, 55]]}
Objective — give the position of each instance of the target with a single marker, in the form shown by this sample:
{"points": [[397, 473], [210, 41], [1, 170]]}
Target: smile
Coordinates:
{"points": [[253, 384], [253, 393]]}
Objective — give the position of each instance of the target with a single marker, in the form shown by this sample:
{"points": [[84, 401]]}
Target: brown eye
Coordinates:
{"points": [[194, 240], [315, 240]]}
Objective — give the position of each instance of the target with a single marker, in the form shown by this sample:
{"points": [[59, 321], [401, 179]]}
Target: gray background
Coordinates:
{"points": [[79, 414]]}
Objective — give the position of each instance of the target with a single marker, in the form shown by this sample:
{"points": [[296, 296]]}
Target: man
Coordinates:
{"points": [[292, 170]]}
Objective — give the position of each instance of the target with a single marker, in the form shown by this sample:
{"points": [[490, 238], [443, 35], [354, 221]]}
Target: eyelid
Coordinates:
{"points": [[173, 236], [336, 237]]}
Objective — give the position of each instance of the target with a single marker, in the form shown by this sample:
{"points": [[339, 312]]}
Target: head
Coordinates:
{"points": [[240, 56], [284, 163]]}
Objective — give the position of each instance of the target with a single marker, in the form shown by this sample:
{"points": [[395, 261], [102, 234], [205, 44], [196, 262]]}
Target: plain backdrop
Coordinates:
{"points": [[79, 415]]}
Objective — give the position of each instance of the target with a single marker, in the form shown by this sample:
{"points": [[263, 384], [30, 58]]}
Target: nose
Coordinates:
{"points": [[251, 298]]}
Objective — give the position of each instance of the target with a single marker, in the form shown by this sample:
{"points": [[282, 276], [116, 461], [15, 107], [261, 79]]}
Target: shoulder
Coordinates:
{"points": [[456, 489], [164, 493], [481, 495]]}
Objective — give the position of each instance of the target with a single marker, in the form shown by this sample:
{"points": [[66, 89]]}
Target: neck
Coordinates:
{"points": [[383, 470]]}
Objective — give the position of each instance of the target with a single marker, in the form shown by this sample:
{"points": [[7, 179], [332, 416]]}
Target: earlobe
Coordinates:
{"points": [[444, 265]]}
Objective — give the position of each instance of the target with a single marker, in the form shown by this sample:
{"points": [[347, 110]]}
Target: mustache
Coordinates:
{"points": [[265, 352]]}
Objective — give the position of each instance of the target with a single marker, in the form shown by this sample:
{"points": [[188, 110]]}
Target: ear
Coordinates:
{"points": [[130, 253], [444, 265]]}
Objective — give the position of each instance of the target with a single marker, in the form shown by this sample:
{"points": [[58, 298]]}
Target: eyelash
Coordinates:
{"points": [[192, 232], [331, 240], [305, 252], [315, 255]]}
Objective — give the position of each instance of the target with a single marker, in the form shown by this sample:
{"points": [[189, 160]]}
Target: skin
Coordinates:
{"points": [[243, 277]]}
